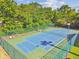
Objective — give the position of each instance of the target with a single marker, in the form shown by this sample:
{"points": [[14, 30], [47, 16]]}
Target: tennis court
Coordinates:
{"points": [[42, 41], [40, 44]]}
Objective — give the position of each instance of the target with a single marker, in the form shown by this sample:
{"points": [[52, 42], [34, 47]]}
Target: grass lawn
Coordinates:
{"points": [[76, 51], [2, 34]]}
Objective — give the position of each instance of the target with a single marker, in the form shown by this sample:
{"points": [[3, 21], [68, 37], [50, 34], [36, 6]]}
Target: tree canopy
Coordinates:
{"points": [[24, 17]]}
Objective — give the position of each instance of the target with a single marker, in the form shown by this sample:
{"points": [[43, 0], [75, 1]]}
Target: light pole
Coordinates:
{"points": [[68, 26], [69, 31], [68, 43]]}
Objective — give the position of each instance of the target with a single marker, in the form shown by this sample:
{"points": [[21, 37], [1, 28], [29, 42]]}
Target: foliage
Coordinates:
{"points": [[66, 14], [25, 17], [22, 18]]}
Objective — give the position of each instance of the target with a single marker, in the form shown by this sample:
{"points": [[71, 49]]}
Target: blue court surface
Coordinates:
{"points": [[42, 40]]}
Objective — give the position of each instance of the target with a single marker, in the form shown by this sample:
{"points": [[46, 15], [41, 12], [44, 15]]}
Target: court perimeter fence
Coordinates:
{"points": [[59, 51]]}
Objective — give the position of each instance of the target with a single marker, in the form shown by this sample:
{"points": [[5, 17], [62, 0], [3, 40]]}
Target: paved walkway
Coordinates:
{"points": [[3, 54]]}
